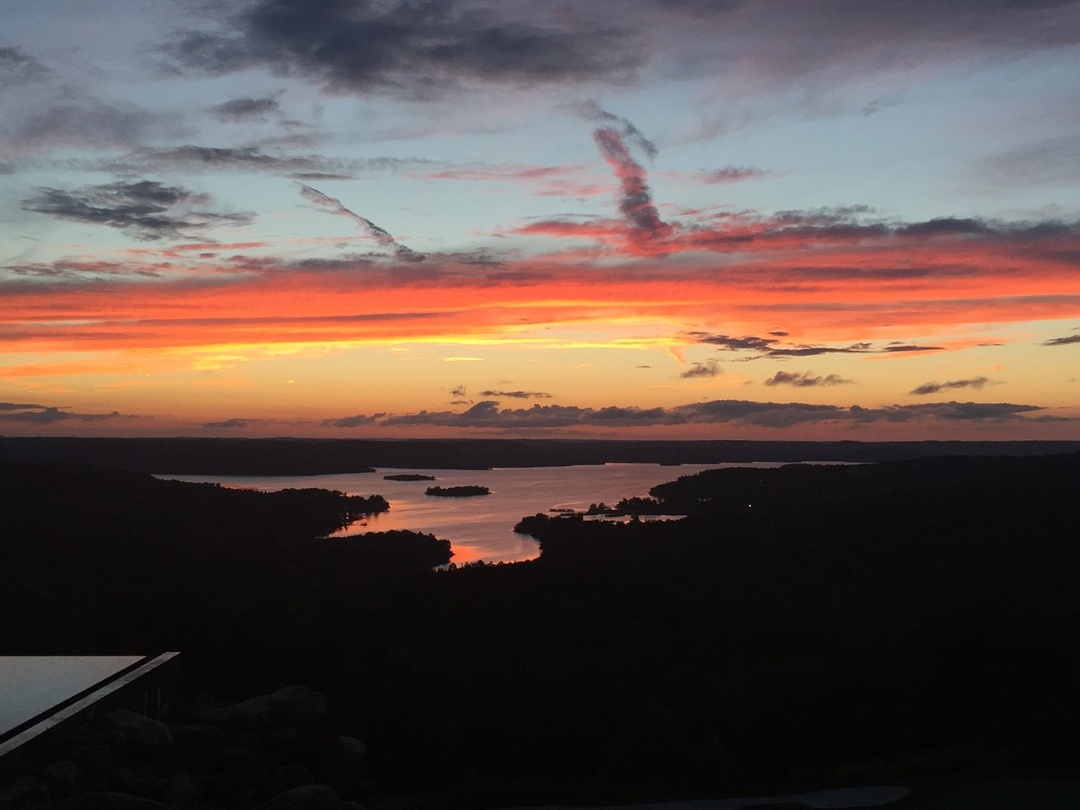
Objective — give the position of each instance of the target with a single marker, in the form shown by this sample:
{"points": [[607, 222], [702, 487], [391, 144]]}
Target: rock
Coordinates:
{"points": [[96, 760], [65, 779], [296, 706], [140, 731], [180, 790], [292, 706], [26, 791], [289, 744], [110, 801], [237, 776], [290, 776], [125, 780], [203, 740], [349, 751], [309, 797], [248, 715]]}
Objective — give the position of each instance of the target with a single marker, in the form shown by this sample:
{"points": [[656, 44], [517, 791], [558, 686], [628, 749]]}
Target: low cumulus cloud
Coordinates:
{"points": [[709, 368], [488, 414], [146, 208], [935, 387], [805, 379], [414, 49]]}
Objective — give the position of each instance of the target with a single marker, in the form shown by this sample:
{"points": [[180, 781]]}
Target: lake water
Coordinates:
{"points": [[482, 527]]}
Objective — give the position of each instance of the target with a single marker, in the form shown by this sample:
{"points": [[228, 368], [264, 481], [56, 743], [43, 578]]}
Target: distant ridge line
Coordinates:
{"points": [[298, 456]]}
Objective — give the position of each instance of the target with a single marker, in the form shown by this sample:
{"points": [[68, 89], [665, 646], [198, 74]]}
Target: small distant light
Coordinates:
{"points": [[749, 506]]}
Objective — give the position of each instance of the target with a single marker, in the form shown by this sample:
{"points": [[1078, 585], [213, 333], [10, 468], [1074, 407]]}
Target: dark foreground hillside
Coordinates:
{"points": [[804, 627]]}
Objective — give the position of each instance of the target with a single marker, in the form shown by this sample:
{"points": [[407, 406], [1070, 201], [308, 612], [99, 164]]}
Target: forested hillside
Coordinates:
{"points": [[803, 626]]}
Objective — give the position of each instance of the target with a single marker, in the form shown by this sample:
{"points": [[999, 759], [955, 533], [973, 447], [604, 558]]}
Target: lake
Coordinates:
{"points": [[482, 527]]}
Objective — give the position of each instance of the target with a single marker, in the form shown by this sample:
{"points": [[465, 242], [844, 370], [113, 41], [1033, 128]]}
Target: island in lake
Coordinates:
{"points": [[408, 477], [457, 492]]}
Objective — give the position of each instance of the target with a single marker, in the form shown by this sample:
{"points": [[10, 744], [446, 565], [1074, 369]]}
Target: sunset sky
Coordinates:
{"points": [[754, 219]]}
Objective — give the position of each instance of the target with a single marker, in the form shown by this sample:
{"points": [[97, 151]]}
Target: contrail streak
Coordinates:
{"points": [[380, 235]]}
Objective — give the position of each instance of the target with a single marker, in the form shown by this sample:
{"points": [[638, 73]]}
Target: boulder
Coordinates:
{"points": [[292, 706], [110, 801], [309, 797], [290, 776], [203, 740], [237, 776], [65, 779], [349, 751], [25, 791], [141, 732], [180, 790]]}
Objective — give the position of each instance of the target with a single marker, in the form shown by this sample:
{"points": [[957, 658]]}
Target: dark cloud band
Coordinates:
{"points": [[487, 414], [414, 48]]}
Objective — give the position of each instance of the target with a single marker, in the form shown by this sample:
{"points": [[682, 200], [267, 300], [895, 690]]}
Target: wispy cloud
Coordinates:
{"points": [[242, 109], [192, 157], [146, 208], [1062, 341], [591, 111], [18, 68], [636, 203], [83, 122], [730, 174], [758, 46]]}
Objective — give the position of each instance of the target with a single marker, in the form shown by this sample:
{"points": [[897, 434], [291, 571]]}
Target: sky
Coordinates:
{"points": [[683, 219]]}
